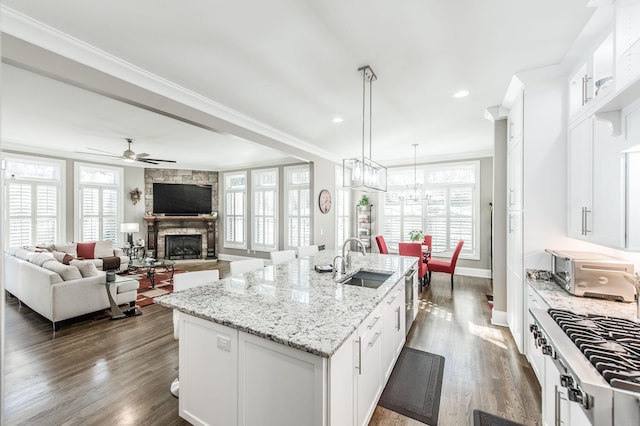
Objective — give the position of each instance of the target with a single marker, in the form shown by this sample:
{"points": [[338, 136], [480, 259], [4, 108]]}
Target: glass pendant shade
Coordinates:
{"points": [[363, 173]]}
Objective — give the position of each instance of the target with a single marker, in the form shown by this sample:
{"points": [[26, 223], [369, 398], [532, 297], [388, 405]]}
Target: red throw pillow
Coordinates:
{"points": [[85, 250]]}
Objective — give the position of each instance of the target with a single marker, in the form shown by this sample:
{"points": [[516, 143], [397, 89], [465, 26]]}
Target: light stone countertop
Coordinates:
{"points": [[291, 303], [558, 298]]}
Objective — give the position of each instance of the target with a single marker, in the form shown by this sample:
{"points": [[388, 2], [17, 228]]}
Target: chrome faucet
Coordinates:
{"points": [[347, 256], [335, 265]]}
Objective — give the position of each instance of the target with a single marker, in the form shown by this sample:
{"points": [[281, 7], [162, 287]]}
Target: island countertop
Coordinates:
{"points": [[291, 303]]}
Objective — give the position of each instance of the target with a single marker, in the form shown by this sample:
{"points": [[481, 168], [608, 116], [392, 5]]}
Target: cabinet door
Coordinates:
{"points": [[580, 178], [208, 361], [515, 175], [369, 375], [607, 216], [393, 334], [515, 294], [555, 403]]}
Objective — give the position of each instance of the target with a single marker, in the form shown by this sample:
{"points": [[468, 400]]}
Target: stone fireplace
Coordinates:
{"points": [[187, 228], [183, 246]]}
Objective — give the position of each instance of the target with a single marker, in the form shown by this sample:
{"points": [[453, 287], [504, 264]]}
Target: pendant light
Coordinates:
{"points": [[415, 192], [362, 173]]}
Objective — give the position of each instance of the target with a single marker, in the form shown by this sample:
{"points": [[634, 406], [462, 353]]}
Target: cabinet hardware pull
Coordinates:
{"points": [[359, 355], [398, 312], [557, 408], [584, 228], [375, 338], [586, 221], [375, 320]]}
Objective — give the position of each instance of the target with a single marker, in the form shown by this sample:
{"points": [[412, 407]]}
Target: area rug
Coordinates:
{"points": [[480, 418], [163, 285], [414, 387]]}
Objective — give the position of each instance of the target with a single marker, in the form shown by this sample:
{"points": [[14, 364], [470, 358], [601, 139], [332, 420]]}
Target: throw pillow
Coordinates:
{"points": [[71, 248], [40, 258], [24, 254], [86, 250], [66, 272], [103, 249], [62, 257], [86, 268]]}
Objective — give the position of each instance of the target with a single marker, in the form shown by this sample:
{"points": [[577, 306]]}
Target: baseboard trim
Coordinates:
{"points": [[473, 272], [499, 318]]}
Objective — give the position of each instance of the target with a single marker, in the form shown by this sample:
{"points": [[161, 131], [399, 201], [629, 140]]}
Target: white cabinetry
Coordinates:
{"points": [[368, 374], [557, 409], [208, 395], [394, 328], [596, 184], [515, 177], [229, 377], [627, 42]]}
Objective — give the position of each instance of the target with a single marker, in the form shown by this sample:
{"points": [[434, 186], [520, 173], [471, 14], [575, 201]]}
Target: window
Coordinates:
{"points": [[298, 206], [449, 213], [343, 209], [235, 216], [265, 209], [99, 202], [33, 200]]}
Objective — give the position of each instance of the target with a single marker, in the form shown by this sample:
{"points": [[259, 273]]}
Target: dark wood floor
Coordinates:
{"points": [[96, 371]]}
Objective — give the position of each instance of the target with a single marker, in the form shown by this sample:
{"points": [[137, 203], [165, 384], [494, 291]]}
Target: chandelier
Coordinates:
{"points": [[414, 192], [362, 173]]}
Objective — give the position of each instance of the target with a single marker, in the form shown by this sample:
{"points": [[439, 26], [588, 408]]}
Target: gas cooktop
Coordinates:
{"points": [[612, 345]]}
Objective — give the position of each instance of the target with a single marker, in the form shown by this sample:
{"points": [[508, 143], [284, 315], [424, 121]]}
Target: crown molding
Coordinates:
{"points": [[44, 36]]}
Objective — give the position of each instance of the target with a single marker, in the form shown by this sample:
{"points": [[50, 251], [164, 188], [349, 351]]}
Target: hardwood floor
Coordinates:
{"points": [[97, 371]]}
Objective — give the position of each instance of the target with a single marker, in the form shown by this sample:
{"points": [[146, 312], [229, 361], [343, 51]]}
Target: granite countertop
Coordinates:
{"points": [[558, 298], [291, 303]]}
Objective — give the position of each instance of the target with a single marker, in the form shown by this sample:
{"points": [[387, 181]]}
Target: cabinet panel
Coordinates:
{"points": [[515, 175], [580, 178], [369, 372], [515, 293], [278, 385], [208, 355], [394, 326], [627, 42]]}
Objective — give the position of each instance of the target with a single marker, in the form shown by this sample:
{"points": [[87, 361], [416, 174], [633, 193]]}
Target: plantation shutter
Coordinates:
{"points": [[19, 211], [298, 202], [265, 197], [343, 209], [235, 188]]}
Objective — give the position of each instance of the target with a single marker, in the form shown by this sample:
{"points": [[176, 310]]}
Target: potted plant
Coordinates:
{"points": [[364, 201], [416, 235]]}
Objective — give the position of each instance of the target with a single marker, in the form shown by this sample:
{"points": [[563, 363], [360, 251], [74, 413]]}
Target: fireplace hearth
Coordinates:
{"points": [[183, 246]]}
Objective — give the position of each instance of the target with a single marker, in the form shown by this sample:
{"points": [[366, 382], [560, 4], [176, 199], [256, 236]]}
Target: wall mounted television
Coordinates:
{"points": [[178, 199]]}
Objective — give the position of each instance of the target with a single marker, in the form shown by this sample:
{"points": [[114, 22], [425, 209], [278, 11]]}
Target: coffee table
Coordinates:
{"points": [[151, 267], [116, 312]]}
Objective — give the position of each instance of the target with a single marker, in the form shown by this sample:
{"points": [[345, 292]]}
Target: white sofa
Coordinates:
{"points": [[57, 291]]}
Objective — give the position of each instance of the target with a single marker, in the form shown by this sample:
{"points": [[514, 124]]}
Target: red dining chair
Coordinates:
{"points": [[382, 245], [428, 239], [414, 249], [446, 267]]}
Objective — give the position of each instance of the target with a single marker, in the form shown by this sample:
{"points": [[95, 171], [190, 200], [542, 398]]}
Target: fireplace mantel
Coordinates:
{"points": [[155, 223]]}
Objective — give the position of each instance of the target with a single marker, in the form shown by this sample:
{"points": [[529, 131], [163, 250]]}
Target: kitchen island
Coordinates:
{"points": [[289, 345]]}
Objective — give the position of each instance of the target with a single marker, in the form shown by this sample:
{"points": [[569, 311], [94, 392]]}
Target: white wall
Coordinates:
{"points": [[324, 225]]}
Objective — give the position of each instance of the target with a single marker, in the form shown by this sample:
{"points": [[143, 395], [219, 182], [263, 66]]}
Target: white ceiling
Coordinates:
{"points": [[292, 65]]}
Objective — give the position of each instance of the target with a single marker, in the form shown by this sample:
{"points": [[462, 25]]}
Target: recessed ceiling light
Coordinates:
{"points": [[337, 119], [461, 94]]}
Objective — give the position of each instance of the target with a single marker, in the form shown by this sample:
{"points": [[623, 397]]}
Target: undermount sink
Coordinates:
{"points": [[367, 279]]}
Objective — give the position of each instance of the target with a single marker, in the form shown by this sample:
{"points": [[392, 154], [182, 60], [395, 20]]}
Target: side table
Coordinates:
{"points": [[116, 312]]}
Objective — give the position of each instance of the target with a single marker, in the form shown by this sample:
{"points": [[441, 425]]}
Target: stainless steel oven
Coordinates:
{"points": [[591, 368]]}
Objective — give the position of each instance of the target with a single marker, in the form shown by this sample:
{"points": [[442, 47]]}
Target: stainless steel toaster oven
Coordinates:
{"points": [[592, 275]]}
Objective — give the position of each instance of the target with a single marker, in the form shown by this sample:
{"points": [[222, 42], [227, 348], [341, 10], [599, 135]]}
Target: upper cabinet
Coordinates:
{"points": [[604, 132]]}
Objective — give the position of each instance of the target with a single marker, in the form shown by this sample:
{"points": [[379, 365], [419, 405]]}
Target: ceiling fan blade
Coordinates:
{"points": [[144, 160], [164, 161], [99, 150], [144, 154], [101, 155]]}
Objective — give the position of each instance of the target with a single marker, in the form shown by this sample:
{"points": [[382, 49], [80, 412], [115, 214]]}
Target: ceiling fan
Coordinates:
{"points": [[128, 155]]}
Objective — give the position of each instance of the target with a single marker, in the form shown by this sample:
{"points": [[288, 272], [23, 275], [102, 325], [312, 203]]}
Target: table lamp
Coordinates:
{"points": [[129, 229]]}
